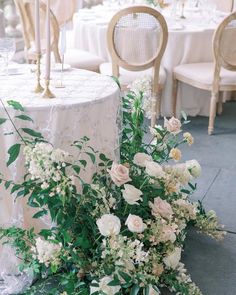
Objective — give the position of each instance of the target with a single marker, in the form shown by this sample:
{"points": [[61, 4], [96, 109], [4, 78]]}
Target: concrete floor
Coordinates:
{"points": [[212, 264]]}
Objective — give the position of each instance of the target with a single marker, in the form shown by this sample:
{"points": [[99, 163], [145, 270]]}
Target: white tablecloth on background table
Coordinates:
{"points": [[189, 41], [2, 27], [88, 106]]}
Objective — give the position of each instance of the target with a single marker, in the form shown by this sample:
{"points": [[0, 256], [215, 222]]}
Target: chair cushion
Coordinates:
{"points": [[83, 60], [127, 77], [203, 73]]}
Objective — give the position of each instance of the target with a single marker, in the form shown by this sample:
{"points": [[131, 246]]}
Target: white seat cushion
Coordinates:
{"points": [[127, 77], [203, 73], [83, 60]]}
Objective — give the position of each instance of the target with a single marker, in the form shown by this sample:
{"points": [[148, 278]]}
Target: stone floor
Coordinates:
{"points": [[213, 264]]}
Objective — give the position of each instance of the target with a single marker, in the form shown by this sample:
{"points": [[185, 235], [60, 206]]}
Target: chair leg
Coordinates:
{"points": [[174, 96], [214, 97], [154, 110], [158, 104], [220, 103]]}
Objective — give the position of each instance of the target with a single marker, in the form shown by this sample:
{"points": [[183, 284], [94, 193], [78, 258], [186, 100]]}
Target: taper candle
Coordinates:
{"points": [[48, 43], [37, 28]]}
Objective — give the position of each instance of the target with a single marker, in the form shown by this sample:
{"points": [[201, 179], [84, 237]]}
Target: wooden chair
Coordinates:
{"points": [[26, 12], [76, 58], [137, 38], [215, 77]]}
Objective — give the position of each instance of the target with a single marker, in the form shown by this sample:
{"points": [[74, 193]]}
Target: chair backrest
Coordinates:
{"points": [[137, 38], [223, 5], [26, 12], [224, 45]]}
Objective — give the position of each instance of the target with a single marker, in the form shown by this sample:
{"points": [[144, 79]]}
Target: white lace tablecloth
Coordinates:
{"points": [[190, 41], [87, 106]]}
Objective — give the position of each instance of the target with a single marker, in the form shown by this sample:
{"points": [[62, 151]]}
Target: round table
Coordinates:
{"points": [[87, 106], [190, 41]]}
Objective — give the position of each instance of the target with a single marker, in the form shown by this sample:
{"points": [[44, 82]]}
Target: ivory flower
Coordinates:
{"points": [[109, 225], [173, 125], [194, 168], [47, 252], [104, 287], [189, 138], [175, 154], [119, 174], [141, 159], [131, 194], [135, 224], [161, 208], [173, 259], [154, 169]]}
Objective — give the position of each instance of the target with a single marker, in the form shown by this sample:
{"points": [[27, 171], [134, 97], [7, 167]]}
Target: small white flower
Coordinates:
{"points": [[104, 287], [173, 259], [135, 224], [141, 159], [131, 194], [194, 168], [109, 225]]}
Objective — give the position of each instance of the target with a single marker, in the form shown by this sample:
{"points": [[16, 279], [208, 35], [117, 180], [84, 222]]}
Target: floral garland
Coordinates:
{"points": [[124, 232]]}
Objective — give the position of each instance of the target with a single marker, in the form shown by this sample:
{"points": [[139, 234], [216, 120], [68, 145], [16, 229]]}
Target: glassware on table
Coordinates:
{"points": [[182, 6], [7, 51]]}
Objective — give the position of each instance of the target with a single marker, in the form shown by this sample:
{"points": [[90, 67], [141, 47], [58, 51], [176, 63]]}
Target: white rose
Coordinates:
{"points": [[131, 194], [173, 259], [103, 286], [109, 225], [173, 125], [119, 174], [154, 169], [194, 168], [140, 159], [135, 224]]}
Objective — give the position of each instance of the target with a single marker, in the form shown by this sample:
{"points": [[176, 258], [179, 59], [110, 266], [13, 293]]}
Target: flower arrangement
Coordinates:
{"points": [[124, 232], [159, 3]]}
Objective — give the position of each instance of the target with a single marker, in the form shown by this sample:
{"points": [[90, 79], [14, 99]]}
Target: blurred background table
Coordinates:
{"points": [[190, 41]]}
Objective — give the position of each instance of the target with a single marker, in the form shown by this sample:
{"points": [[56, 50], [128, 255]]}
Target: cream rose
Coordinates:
{"points": [[161, 208], [104, 287], [135, 224], [194, 168], [173, 259], [109, 225], [173, 125], [153, 169], [189, 138], [131, 194], [175, 154], [119, 174], [140, 159]]}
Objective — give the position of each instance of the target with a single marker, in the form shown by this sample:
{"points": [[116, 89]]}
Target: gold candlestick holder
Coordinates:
{"points": [[38, 88], [47, 92]]}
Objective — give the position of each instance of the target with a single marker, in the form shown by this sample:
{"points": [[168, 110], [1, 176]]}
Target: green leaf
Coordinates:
{"points": [[135, 289], [83, 162], [40, 214], [114, 282], [24, 118], [147, 290], [184, 115], [2, 120], [31, 132], [92, 157], [76, 169], [7, 184], [13, 153], [125, 276], [15, 188], [16, 105]]}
